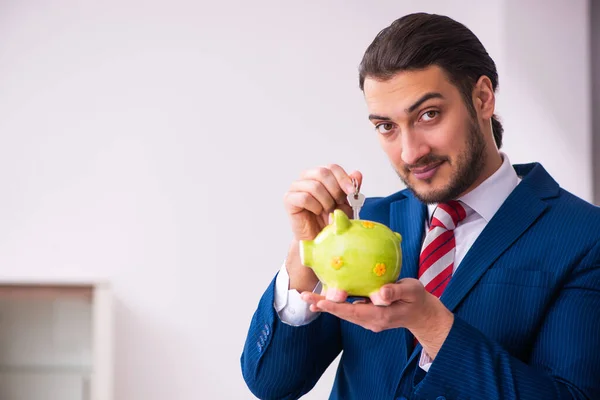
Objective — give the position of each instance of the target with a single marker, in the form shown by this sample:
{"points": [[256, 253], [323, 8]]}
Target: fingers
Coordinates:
{"points": [[358, 176], [298, 201], [316, 190], [343, 179], [334, 179], [388, 294], [336, 295], [333, 295], [405, 290], [378, 299], [361, 314], [312, 299], [322, 190]]}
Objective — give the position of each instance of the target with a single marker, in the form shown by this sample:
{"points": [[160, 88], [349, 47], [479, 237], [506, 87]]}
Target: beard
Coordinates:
{"points": [[467, 167]]}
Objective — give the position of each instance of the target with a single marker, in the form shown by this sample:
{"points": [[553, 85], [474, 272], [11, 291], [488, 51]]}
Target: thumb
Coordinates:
{"points": [[390, 293], [387, 294]]}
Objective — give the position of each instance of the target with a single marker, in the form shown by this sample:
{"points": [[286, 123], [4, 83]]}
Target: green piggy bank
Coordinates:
{"points": [[356, 256]]}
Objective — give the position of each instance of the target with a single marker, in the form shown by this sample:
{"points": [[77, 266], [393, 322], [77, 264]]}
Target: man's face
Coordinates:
{"points": [[434, 144]]}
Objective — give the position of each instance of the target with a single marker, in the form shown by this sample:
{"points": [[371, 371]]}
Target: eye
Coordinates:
{"points": [[384, 128], [429, 115]]}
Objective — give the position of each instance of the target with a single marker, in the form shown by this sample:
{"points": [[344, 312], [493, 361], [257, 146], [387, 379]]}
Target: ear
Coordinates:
{"points": [[484, 97], [341, 222]]}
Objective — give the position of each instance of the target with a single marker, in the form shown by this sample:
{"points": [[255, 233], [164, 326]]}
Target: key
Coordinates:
{"points": [[356, 200]]}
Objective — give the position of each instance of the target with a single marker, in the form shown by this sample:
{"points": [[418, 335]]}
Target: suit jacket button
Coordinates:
{"points": [[259, 347]]}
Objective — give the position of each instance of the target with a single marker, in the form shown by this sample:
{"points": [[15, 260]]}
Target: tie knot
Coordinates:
{"points": [[448, 215]]}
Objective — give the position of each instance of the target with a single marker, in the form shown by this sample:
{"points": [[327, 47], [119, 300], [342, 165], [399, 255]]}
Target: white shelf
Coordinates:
{"points": [[56, 340], [46, 369]]}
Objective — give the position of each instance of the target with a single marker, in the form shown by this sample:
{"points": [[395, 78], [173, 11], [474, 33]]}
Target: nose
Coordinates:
{"points": [[413, 147]]}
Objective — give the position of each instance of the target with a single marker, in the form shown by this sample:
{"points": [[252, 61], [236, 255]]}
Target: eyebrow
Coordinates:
{"points": [[423, 99], [380, 117]]}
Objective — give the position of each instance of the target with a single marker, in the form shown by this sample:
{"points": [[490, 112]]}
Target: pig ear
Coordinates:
{"points": [[398, 236], [341, 222]]}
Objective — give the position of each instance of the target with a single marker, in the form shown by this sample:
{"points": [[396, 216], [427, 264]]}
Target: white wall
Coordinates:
{"points": [[134, 142], [545, 95]]}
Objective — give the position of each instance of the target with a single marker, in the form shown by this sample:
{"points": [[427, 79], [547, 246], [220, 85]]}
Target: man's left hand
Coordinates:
{"points": [[405, 304]]}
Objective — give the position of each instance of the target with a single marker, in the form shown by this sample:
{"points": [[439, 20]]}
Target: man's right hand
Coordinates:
{"points": [[308, 202]]}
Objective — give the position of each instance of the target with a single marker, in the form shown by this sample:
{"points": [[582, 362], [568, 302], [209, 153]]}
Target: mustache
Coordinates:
{"points": [[425, 161]]}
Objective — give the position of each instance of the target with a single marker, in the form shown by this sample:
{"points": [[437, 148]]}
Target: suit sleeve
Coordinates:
{"points": [[280, 361], [564, 361]]}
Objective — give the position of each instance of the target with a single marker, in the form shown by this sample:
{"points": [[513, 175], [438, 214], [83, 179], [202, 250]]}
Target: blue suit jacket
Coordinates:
{"points": [[526, 301]]}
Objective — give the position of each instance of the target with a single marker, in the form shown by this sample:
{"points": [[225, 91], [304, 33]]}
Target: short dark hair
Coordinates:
{"points": [[419, 40]]}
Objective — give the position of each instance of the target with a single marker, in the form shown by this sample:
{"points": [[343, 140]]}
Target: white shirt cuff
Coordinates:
{"points": [[290, 307]]}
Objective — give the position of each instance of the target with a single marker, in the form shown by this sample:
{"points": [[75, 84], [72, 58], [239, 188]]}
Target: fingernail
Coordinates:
{"points": [[349, 188]]}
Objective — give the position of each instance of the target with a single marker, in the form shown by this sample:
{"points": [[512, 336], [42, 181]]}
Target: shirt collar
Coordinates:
{"points": [[487, 198]]}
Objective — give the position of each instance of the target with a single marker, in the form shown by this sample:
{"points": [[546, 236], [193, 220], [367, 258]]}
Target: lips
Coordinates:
{"points": [[426, 172]]}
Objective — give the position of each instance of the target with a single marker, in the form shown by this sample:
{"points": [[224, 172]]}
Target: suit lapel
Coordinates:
{"points": [[514, 217], [407, 217], [520, 210]]}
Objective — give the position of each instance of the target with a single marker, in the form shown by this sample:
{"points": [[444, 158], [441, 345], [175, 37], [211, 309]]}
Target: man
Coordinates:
{"points": [[499, 294]]}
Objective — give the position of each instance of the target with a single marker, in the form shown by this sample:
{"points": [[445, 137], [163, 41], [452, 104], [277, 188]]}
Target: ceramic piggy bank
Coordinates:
{"points": [[356, 256]]}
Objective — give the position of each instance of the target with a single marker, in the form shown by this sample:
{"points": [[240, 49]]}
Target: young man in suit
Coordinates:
{"points": [[499, 295]]}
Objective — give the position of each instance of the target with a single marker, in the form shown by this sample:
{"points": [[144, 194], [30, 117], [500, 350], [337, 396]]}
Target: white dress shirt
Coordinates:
{"points": [[485, 200]]}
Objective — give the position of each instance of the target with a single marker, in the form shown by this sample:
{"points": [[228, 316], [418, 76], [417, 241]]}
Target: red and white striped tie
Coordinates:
{"points": [[436, 263]]}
